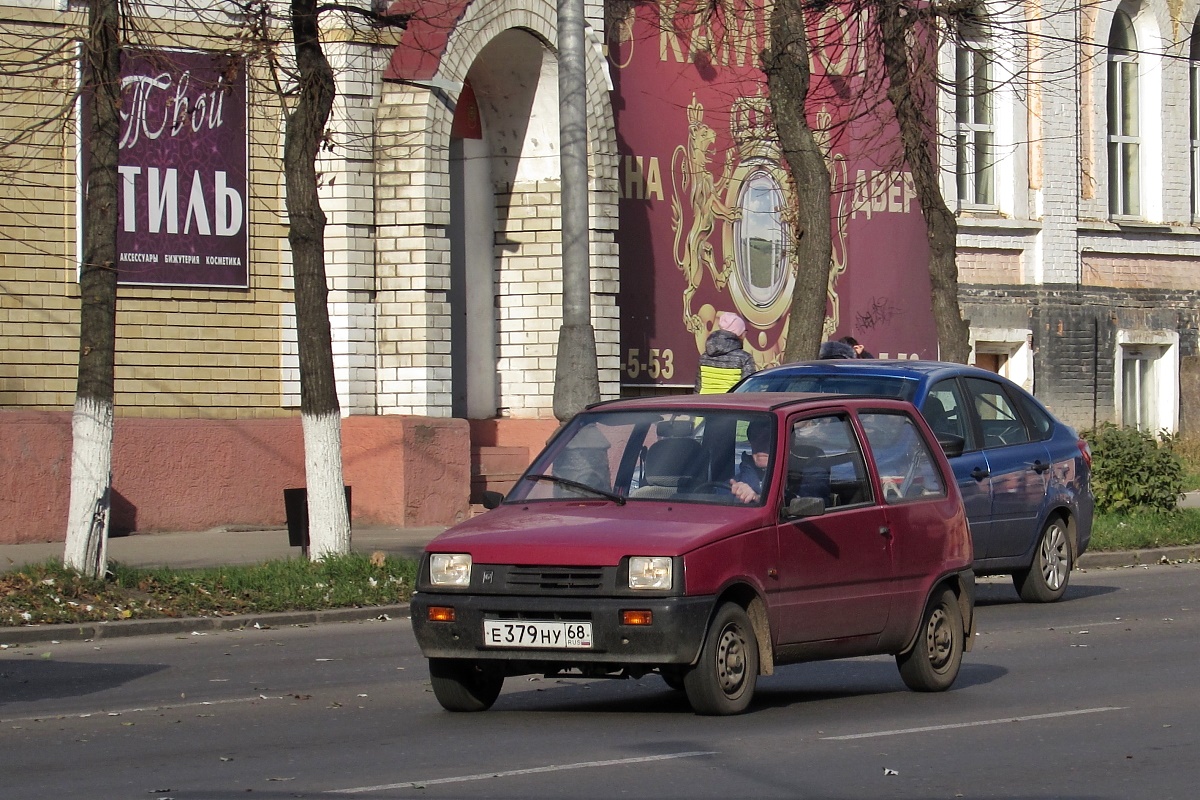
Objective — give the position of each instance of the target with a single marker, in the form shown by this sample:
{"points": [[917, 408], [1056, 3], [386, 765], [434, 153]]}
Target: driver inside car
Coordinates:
{"points": [[747, 483]]}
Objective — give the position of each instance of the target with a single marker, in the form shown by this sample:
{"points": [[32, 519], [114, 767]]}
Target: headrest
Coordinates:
{"points": [[675, 428]]}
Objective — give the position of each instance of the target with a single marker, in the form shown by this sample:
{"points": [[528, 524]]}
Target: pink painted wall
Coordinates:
{"points": [[174, 475], [528, 433]]}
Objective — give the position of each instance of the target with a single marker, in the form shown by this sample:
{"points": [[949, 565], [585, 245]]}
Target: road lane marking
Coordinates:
{"points": [[116, 712], [513, 772], [977, 724]]}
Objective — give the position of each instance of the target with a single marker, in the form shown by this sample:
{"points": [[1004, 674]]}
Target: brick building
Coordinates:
{"points": [[1077, 243]]}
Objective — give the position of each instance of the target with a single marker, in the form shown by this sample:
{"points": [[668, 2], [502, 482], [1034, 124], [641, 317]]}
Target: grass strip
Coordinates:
{"points": [[50, 593], [1145, 531]]}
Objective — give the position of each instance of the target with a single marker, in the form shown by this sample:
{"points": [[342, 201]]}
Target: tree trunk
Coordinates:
{"points": [[897, 28], [787, 68], [329, 518], [92, 422]]}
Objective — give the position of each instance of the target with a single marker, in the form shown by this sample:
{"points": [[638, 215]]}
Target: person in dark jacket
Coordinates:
{"points": [[836, 350], [724, 361], [859, 350], [747, 481]]}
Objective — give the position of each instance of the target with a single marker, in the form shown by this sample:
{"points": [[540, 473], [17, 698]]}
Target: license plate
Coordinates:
{"points": [[530, 633]]}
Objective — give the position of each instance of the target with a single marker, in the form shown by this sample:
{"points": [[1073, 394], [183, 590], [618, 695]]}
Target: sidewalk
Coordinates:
{"points": [[221, 547]]}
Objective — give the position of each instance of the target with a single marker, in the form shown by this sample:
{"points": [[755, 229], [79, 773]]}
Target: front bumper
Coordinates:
{"points": [[674, 637]]}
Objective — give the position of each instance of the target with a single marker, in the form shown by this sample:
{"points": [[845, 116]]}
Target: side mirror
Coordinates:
{"points": [[492, 499], [952, 445], [804, 507]]}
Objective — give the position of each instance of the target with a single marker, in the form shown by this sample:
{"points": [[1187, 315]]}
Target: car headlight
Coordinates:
{"points": [[450, 569], [649, 572]]}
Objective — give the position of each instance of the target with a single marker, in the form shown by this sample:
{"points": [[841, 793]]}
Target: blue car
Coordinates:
{"points": [[1024, 475]]}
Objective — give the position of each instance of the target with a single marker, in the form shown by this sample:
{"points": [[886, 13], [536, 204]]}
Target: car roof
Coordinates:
{"points": [[918, 370], [745, 401]]}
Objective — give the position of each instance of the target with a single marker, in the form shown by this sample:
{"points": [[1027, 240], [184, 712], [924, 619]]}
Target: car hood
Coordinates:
{"points": [[555, 533]]}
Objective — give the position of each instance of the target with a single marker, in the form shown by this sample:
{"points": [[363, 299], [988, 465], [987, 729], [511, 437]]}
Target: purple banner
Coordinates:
{"points": [[183, 170]]}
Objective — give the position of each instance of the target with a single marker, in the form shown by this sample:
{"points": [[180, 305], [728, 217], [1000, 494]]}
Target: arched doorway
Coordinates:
{"points": [[504, 141], [472, 265]]}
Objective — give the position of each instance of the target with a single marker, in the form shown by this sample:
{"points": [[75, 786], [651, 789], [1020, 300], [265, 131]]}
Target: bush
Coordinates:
{"points": [[1133, 470]]}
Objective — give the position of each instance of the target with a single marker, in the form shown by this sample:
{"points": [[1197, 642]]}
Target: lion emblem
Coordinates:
{"points": [[690, 173]]}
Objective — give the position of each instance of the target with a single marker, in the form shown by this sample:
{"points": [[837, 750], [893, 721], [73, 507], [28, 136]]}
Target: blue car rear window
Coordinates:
{"points": [[861, 385]]}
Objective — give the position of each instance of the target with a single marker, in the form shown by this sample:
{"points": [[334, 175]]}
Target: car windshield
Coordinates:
{"points": [[825, 383], [681, 456]]}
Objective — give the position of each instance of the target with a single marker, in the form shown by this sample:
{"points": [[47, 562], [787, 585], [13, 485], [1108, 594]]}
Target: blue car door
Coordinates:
{"points": [[948, 414], [1017, 469]]}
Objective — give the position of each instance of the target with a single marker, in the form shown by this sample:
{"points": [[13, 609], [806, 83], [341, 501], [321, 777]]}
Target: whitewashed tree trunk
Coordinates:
{"points": [[320, 414], [92, 424], [91, 470], [328, 516]]}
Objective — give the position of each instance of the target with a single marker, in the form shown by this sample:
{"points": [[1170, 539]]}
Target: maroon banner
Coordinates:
{"points": [[183, 185], [706, 197]]}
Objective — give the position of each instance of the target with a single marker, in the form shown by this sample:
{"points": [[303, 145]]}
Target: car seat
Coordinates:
{"points": [[671, 463]]}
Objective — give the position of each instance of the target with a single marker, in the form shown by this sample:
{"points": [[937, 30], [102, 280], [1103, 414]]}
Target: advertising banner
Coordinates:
{"points": [[183, 180], [706, 197]]}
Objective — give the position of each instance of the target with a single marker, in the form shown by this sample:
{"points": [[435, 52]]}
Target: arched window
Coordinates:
{"points": [[974, 119], [1195, 72], [1124, 181]]}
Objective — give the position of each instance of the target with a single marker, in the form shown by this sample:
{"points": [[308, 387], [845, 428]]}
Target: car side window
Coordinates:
{"points": [[825, 460], [946, 412], [999, 419], [907, 469], [1043, 426]]}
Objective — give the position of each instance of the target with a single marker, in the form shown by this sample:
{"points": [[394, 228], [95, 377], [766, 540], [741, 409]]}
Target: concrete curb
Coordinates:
{"points": [[90, 631], [1138, 558]]}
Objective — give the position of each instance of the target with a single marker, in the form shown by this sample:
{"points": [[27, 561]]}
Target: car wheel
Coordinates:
{"points": [[1046, 580], [932, 663], [722, 682], [462, 685]]}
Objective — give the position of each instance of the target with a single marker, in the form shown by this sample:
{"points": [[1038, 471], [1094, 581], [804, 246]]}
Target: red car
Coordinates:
{"points": [[710, 539]]}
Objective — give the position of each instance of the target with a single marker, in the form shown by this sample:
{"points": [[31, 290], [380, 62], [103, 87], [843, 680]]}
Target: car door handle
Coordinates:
{"points": [[885, 531], [1039, 467], [979, 473]]}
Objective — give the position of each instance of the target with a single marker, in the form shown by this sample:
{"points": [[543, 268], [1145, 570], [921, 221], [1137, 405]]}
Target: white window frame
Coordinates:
{"points": [[1013, 343], [1161, 350], [975, 118], [1194, 100], [1121, 201]]}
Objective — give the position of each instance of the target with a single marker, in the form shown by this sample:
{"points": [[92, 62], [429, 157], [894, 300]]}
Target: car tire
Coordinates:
{"points": [[723, 679], [462, 685], [933, 662], [1046, 580]]}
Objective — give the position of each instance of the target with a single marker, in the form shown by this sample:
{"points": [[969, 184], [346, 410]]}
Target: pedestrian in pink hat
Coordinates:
{"points": [[724, 361]]}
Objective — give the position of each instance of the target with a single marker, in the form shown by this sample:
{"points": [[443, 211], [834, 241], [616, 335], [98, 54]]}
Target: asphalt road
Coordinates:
{"points": [[1093, 697]]}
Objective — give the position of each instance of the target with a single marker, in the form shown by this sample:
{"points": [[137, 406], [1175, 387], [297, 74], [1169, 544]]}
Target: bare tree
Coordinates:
{"points": [[786, 64], [320, 413], [904, 33], [92, 422]]}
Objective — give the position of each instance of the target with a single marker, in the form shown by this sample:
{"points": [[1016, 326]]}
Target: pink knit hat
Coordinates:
{"points": [[729, 321]]}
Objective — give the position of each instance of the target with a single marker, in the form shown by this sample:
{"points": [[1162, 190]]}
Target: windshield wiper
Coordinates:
{"points": [[583, 487]]}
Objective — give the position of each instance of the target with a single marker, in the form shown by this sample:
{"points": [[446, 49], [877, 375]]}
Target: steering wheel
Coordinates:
{"points": [[711, 487]]}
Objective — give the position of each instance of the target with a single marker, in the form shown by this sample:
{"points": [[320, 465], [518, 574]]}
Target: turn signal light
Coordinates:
{"points": [[441, 614], [637, 618]]}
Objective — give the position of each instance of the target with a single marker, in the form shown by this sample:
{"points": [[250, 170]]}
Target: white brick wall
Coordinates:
{"points": [[1063, 116], [413, 251]]}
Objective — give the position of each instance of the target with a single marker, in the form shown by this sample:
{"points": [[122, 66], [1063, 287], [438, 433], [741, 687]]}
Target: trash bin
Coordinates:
{"points": [[295, 508]]}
